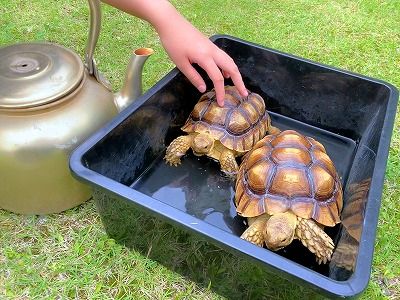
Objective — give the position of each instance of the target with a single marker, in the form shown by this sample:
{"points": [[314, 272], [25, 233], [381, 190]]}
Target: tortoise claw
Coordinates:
{"points": [[172, 160]]}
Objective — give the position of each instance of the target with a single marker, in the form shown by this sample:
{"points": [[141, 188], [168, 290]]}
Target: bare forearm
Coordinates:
{"points": [[159, 13]]}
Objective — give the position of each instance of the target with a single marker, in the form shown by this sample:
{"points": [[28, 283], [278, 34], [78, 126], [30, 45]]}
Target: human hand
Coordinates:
{"points": [[187, 45]]}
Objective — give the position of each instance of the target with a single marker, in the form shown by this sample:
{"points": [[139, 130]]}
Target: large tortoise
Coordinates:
{"points": [[222, 133], [288, 188]]}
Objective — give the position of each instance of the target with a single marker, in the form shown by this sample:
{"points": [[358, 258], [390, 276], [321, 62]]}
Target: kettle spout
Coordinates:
{"points": [[132, 86]]}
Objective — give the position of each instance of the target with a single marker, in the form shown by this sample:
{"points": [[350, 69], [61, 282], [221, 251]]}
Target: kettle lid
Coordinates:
{"points": [[33, 74]]}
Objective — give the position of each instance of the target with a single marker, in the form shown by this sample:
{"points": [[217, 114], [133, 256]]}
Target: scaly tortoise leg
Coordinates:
{"points": [[315, 239], [228, 164], [255, 232], [273, 130], [177, 149]]}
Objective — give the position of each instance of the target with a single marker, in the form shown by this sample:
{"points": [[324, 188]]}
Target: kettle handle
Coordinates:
{"points": [[94, 32]]}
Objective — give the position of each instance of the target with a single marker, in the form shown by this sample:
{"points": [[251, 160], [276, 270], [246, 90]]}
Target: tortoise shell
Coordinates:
{"points": [[238, 125], [289, 171]]}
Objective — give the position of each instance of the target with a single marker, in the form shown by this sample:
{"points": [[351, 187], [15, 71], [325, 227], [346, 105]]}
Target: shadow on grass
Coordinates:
{"points": [[201, 262]]}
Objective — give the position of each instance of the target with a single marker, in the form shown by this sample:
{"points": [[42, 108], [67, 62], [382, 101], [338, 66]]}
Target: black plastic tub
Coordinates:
{"points": [[350, 114]]}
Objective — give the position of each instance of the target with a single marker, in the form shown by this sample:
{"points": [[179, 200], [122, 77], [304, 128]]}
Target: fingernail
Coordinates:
{"points": [[201, 88]]}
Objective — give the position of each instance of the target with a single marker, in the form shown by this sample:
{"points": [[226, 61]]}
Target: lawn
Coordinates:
{"points": [[69, 256]]}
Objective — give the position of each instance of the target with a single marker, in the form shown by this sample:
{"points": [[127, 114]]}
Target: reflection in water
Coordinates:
{"points": [[196, 187], [345, 255]]}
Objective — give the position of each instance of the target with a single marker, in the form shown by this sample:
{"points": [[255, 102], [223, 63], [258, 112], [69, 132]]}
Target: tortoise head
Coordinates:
{"points": [[203, 144], [280, 230]]}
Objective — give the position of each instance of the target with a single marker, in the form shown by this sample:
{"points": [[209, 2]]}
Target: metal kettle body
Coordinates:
{"points": [[50, 102]]}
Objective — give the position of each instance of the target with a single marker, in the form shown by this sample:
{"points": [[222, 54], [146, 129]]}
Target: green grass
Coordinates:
{"points": [[69, 256]]}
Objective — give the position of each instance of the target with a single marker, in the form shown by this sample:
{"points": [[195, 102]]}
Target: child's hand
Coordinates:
{"points": [[188, 45]]}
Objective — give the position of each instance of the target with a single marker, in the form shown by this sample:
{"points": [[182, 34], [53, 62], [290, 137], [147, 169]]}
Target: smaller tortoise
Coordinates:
{"points": [[288, 188], [222, 133]]}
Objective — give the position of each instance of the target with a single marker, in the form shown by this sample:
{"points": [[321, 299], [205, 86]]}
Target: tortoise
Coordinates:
{"points": [[353, 214], [222, 133], [288, 188]]}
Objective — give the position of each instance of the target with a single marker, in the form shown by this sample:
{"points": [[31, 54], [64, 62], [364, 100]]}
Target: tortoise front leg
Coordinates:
{"points": [[177, 149], [273, 130], [255, 232], [228, 164], [315, 239]]}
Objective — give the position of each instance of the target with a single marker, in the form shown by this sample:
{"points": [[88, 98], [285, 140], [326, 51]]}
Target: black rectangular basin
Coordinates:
{"points": [[350, 114]]}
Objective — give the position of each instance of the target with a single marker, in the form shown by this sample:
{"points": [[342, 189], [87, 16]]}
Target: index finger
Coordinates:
{"points": [[231, 70], [216, 77], [238, 82]]}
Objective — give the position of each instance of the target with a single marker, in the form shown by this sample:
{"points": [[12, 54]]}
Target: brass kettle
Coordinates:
{"points": [[50, 102]]}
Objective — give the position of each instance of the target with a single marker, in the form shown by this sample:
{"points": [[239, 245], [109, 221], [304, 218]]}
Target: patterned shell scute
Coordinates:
{"points": [[238, 125], [289, 171]]}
